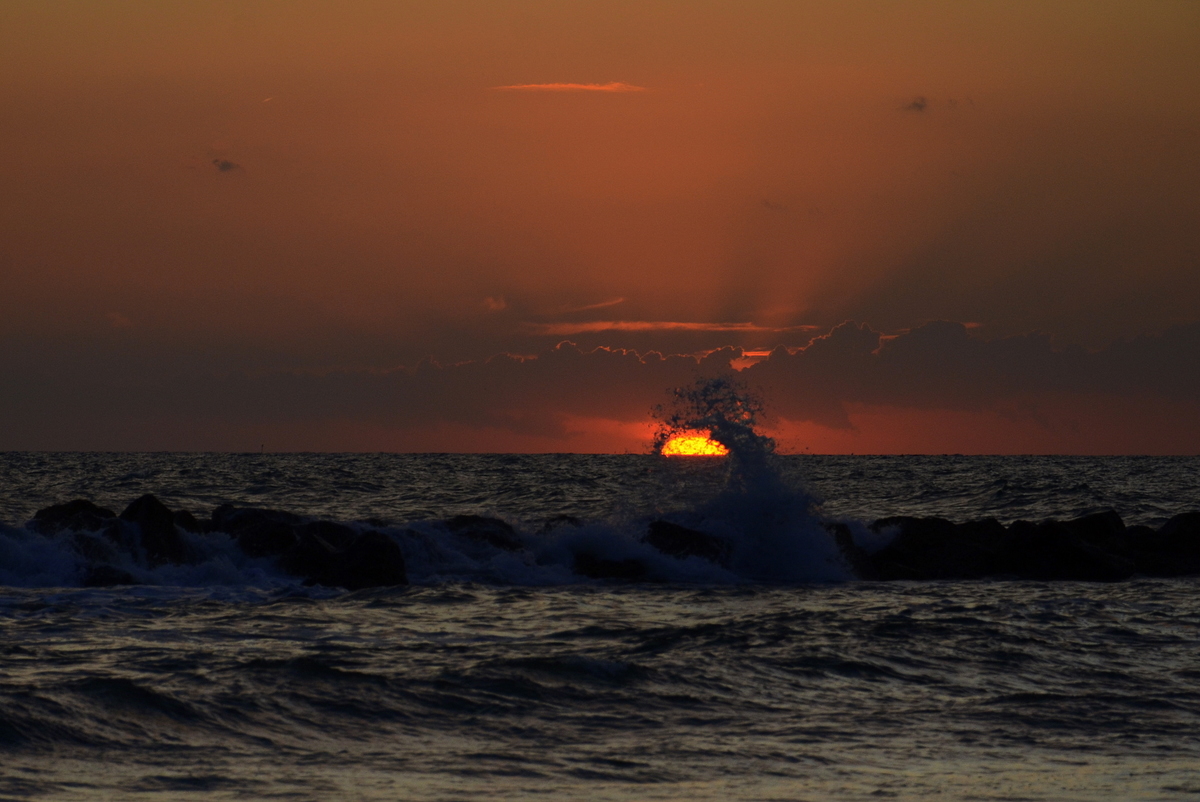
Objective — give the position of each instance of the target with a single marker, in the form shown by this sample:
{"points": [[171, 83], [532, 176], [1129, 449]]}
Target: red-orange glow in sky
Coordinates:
{"points": [[371, 224]]}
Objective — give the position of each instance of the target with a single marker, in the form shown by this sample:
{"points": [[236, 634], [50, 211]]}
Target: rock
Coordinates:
{"points": [[189, 523], [259, 533], [1054, 550], [1103, 529], [857, 558], [1178, 542], [159, 538], [1093, 548], [370, 560], [91, 548], [311, 558], [76, 516], [319, 552], [374, 560], [680, 542], [590, 565], [935, 548], [106, 576], [481, 529], [338, 536]]}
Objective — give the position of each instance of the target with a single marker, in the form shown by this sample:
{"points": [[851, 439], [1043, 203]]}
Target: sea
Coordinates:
{"points": [[504, 675]]}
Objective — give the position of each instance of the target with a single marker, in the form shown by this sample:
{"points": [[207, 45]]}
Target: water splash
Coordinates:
{"points": [[774, 526], [729, 412]]}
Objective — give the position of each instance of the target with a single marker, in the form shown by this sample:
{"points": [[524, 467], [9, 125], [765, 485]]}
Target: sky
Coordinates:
{"points": [[937, 227]]}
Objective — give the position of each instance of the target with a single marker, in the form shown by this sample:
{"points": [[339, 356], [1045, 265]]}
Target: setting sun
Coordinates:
{"points": [[693, 444]]}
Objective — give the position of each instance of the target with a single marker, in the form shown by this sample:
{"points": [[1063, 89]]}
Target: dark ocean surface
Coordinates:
{"points": [[497, 675]]}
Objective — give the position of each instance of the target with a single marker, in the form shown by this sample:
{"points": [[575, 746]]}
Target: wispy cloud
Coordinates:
{"points": [[566, 329], [614, 86], [599, 305]]}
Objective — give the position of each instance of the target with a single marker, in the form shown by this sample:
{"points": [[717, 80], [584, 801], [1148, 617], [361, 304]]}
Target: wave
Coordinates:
{"points": [[755, 525]]}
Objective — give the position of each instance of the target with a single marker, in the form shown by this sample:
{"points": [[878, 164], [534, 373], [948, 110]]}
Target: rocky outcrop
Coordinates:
{"points": [[680, 542], [74, 516], [481, 529], [319, 552], [1094, 548], [369, 560], [159, 538], [148, 533]]}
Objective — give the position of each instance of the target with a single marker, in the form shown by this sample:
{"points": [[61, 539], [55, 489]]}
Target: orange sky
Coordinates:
{"points": [[199, 191]]}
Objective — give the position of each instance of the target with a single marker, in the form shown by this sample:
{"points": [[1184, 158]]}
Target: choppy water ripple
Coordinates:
{"points": [[405, 487], [228, 681], [980, 690]]}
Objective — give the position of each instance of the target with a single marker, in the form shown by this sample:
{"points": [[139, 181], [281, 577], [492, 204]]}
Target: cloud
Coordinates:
{"points": [[588, 307], [1136, 395], [919, 103], [225, 166], [593, 326], [614, 86]]}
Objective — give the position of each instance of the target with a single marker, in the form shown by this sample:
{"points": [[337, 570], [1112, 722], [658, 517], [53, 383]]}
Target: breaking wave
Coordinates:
{"points": [[741, 522]]}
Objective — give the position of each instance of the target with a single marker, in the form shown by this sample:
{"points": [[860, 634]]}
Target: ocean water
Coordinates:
{"points": [[500, 675]]}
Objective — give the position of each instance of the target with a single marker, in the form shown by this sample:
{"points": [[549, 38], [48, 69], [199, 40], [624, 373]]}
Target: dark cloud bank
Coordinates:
{"points": [[939, 366]]}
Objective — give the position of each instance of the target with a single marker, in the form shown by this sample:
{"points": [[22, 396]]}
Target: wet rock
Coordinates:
{"points": [[91, 548], [1178, 546], [1055, 550], [370, 560], [106, 576], [680, 542], [856, 557], [374, 560], [80, 515], [596, 567], [338, 536], [311, 558], [159, 538], [1094, 548], [935, 548], [1103, 529], [189, 523], [259, 533], [481, 529]]}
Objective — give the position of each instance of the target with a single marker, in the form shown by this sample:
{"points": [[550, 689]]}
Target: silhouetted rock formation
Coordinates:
{"points": [[1094, 548], [75, 516], [156, 527], [259, 533], [188, 522], [369, 560], [319, 552], [679, 541], [148, 533], [492, 531]]}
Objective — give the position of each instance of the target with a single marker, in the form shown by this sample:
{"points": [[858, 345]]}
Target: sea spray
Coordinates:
{"points": [[774, 526]]}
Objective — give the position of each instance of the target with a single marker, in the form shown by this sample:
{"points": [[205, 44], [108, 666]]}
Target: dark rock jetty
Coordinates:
{"points": [[1094, 548], [149, 534], [1098, 547]]}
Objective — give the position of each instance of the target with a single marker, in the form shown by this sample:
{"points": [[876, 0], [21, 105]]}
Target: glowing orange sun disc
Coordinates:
{"points": [[693, 444]]}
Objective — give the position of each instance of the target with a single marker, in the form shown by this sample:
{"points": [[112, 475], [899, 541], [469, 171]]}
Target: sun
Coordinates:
{"points": [[693, 444]]}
